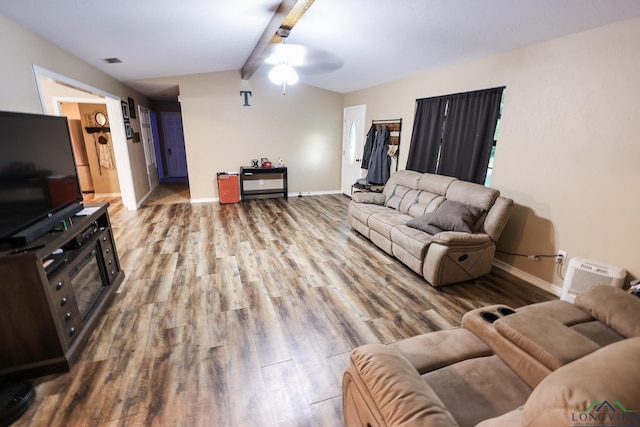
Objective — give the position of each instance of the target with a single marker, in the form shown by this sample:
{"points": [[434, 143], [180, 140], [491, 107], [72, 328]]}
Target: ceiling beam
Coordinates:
{"points": [[288, 14]]}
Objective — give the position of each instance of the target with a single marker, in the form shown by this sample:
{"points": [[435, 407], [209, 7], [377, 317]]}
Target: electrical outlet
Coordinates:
{"points": [[561, 256]]}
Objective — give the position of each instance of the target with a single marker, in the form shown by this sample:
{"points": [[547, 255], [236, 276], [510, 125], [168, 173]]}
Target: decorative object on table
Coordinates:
{"points": [[267, 165], [132, 108], [280, 163], [255, 163], [125, 110], [264, 161], [128, 130]]}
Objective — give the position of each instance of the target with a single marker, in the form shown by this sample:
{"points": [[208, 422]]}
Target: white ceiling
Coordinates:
{"points": [[354, 44]]}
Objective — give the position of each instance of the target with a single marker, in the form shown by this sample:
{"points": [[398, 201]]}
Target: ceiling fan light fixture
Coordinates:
{"points": [[291, 54], [283, 73]]}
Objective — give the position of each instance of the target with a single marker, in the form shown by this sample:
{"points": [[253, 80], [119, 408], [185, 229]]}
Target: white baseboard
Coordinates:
{"points": [[204, 200], [139, 204], [291, 195], [314, 193], [535, 281]]}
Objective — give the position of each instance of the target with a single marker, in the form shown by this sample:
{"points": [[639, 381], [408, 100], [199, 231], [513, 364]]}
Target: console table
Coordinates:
{"points": [[247, 173]]}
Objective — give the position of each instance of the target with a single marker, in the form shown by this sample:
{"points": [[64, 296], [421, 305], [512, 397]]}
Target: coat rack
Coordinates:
{"points": [[395, 126]]}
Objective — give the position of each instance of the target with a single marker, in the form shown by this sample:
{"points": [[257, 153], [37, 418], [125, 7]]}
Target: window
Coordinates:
{"points": [[455, 135], [487, 181]]}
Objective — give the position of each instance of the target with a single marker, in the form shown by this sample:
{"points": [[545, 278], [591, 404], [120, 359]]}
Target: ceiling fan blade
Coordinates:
{"points": [[314, 60], [317, 61]]}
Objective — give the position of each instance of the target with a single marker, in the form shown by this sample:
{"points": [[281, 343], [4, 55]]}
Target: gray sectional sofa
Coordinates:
{"points": [[442, 228]]}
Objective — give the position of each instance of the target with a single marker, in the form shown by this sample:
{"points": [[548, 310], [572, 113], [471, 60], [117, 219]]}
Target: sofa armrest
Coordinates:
{"points": [[382, 388], [612, 306], [459, 238], [371, 198], [610, 373]]}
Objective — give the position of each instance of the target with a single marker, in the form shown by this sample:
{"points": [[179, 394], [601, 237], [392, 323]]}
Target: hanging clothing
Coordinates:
{"points": [[368, 148], [380, 165]]}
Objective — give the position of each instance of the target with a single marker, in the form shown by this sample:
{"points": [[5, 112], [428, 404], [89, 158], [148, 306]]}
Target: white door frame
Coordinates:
{"points": [[349, 172], [146, 130], [116, 124]]}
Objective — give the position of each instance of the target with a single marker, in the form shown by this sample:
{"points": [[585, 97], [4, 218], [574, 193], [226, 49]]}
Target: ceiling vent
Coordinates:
{"points": [[112, 60]]}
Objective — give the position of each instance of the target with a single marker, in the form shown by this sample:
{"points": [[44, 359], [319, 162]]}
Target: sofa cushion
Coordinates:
{"points": [[426, 202], [613, 307], [598, 332], [404, 179], [549, 341], [383, 222], [409, 199], [368, 197], [394, 393], [438, 184], [609, 374], [563, 311], [428, 352], [477, 389], [395, 197], [450, 216], [414, 241], [511, 418], [362, 211], [472, 194]]}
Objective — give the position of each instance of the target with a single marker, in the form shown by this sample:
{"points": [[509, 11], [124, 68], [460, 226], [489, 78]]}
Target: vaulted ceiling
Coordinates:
{"points": [[352, 44]]}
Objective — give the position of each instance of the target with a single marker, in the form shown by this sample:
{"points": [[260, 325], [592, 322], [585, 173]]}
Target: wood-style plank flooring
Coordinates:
{"points": [[244, 315]]}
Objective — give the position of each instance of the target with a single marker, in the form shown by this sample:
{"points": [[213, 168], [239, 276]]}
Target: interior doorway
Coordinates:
{"points": [[92, 146], [352, 146], [46, 79], [175, 154]]}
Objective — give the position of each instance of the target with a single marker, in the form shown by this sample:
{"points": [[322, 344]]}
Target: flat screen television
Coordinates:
{"points": [[38, 175]]}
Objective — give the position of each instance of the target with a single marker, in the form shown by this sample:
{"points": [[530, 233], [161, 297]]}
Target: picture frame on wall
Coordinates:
{"points": [[128, 130], [125, 110], [132, 108]]}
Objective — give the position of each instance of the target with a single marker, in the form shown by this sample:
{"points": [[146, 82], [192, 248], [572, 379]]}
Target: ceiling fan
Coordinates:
{"points": [[272, 48]]}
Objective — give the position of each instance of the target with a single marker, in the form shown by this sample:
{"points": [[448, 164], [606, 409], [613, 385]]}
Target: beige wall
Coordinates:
{"points": [[568, 149], [303, 127], [21, 49]]}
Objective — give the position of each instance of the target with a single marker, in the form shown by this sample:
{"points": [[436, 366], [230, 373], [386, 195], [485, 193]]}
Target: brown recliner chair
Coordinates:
{"points": [[546, 364]]}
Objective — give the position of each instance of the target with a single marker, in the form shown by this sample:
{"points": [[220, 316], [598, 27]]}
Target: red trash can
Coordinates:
{"points": [[228, 187]]}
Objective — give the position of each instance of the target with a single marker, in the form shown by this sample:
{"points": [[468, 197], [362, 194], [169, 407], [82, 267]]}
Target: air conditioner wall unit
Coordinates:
{"points": [[582, 274]]}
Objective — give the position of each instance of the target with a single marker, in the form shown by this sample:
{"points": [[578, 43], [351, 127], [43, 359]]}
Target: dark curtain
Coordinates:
{"points": [[468, 134], [427, 132]]}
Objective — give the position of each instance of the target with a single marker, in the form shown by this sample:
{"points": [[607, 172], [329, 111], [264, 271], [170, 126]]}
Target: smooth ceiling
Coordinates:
{"points": [[354, 44]]}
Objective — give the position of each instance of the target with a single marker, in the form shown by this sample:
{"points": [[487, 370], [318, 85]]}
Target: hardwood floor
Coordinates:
{"points": [[244, 315]]}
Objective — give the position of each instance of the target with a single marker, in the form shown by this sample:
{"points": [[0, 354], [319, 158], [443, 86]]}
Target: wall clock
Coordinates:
{"points": [[101, 118]]}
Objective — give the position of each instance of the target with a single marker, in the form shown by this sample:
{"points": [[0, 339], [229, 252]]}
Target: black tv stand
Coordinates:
{"points": [[54, 292], [29, 234]]}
